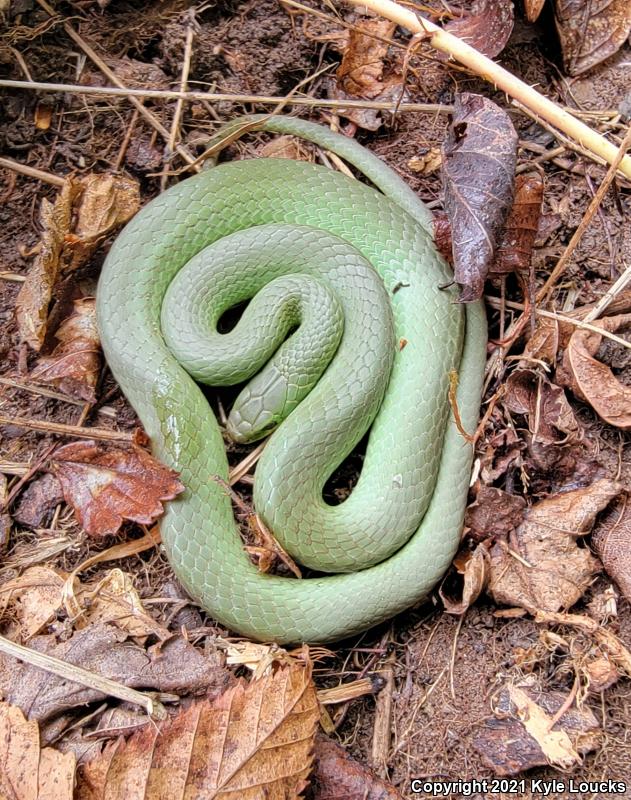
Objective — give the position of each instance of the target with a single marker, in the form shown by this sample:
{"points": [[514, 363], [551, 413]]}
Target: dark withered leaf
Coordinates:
{"points": [[479, 156], [487, 27], [590, 31]]}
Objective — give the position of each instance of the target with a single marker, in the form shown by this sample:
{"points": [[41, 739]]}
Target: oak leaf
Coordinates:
{"points": [[254, 741], [106, 485]]}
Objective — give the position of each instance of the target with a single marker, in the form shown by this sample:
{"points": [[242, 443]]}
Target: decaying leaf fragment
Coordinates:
{"points": [[28, 772], [336, 775], [474, 568], [479, 156], [106, 485], [255, 740], [494, 512], [590, 31], [35, 597], [487, 26], [73, 367], [593, 381], [533, 9], [540, 566], [176, 667], [544, 404], [514, 251], [362, 73], [612, 542], [523, 735], [84, 212]]}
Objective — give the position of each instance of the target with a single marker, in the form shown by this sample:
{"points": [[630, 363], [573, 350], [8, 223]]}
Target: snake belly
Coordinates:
{"points": [[394, 538]]}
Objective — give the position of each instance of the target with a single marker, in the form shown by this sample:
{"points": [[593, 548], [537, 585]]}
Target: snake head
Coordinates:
{"points": [[260, 407]]}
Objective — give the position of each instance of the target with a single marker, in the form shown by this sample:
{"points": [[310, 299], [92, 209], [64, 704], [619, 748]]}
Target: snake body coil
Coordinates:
{"points": [[357, 269]]}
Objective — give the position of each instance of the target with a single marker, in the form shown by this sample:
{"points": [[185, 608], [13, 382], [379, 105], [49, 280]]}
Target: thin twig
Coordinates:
{"points": [[485, 67], [610, 295], [31, 172], [76, 674], [494, 302], [29, 387], [60, 429], [179, 106]]}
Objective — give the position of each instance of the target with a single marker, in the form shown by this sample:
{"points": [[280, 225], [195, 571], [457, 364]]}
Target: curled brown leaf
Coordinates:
{"points": [[474, 569], [593, 381], [84, 212], [479, 156], [487, 26], [362, 72], [106, 485], [73, 367], [514, 251]]}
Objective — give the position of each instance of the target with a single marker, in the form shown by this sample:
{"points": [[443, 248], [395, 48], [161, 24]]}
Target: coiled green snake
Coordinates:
{"points": [[346, 270]]}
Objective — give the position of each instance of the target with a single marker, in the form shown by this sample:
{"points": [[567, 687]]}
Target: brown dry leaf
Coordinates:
{"points": [[612, 542], [35, 598], [544, 342], [487, 26], [479, 156], [533, 9], [107, 202], [593, 381], [114, 599], [601, 673], [85, 211], [36, 292], [514, 250], [362, 73], [177, 667], [73, 367], [28, 772], [254, 741], [541, 566], [523, 736], [474, 567], [494, 512], [590, 31], [337, 776], [442, 235], [38, 501], [106, 485], [544, 404], [289, 147]]}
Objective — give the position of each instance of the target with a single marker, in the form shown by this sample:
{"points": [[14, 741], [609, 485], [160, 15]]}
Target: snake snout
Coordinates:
{"points": [[260, 407]]}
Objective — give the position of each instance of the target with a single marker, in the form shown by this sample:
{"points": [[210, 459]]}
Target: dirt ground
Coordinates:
{"points": [[447, 669]]}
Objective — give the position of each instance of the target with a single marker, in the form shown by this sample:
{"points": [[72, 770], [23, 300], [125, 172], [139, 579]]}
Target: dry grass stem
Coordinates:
{"points": [[79, 675]]}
